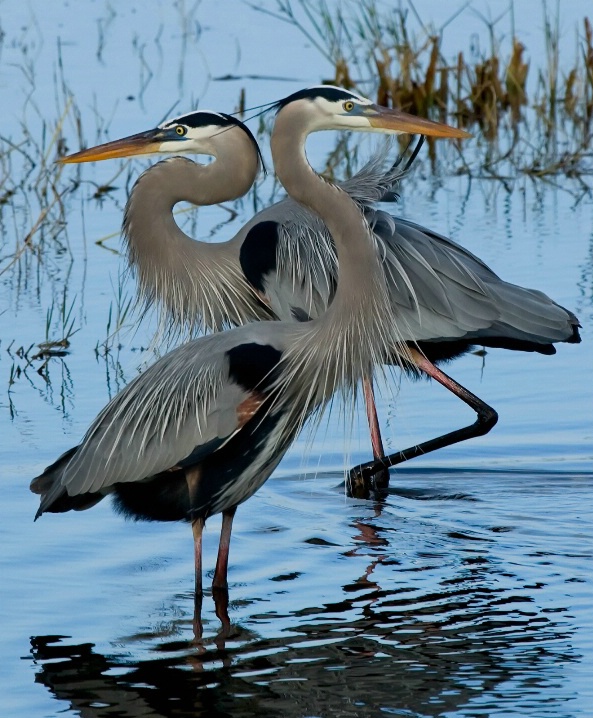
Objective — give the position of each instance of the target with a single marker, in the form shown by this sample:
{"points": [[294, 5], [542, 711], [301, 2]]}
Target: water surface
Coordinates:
{"points": [[457, 596]]}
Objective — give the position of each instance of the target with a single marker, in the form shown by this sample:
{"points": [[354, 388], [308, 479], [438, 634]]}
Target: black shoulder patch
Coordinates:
{"points": [[258, 253], [253, 366]]}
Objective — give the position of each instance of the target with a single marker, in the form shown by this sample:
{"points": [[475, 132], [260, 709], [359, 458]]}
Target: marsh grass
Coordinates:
{"points": [[35, 255], [38, 266], [529, 119], [531, 122], [120, 310], [58, 329]]}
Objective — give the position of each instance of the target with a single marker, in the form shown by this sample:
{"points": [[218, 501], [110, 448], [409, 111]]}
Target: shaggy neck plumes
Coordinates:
{"points": [[352, 337], [194, 285]]}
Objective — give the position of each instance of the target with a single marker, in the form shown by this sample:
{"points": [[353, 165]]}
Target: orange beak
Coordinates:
{"points": [[144, 143], [391, 119]]}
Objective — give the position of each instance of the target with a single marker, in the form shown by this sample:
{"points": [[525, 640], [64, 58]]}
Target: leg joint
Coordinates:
{"points": [[487, 419]]}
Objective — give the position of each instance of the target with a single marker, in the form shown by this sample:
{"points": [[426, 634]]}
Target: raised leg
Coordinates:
{"points": [[371, 407], [359, 486], [486, 419], [222, 560]]}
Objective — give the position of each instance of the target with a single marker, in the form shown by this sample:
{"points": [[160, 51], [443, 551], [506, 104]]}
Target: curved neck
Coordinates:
{"points": [[195, 285], [353, 336], [357, 257]]}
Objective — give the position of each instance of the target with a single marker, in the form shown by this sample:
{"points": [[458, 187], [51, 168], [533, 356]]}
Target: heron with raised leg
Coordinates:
{"points": [[259, 274], [203, 428], [282, 264]]}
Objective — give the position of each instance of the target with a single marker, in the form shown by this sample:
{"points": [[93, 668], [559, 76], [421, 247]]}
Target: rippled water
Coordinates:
{"points": [[460, 595], [467, 592]]}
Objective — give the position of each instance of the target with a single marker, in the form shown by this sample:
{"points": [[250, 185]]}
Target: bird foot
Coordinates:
{"points": [[364, 482], [220, 595]]}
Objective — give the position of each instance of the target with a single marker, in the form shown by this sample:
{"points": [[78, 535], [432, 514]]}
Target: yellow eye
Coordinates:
{"points": [[180, 130], [348, 105]]}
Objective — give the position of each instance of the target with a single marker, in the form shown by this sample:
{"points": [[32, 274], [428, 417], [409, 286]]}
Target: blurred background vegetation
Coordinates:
{"points": [[531, 118]]}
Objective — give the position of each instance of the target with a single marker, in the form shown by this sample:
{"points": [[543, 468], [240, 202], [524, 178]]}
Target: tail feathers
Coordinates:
{"points": [[44, 482], [54, 497], [531, 331], [576, 335]]}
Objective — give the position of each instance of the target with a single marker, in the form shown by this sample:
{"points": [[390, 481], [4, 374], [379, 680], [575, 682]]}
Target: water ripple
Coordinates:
{"points": [[452, 608]]}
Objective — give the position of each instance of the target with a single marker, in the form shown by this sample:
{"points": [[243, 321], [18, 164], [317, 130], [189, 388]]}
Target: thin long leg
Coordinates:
{"points": [[371, 407], [197, 529], [222, 560], [358, 485], [486, 419], [221, 607], [220, 587]]}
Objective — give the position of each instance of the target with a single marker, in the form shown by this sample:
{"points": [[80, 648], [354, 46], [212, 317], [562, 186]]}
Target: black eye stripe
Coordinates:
{"points": [[203, 118], [333, 94]]}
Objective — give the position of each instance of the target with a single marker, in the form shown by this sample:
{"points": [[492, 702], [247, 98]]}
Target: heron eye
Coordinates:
{"points": [[181, 130], [348, 105]]}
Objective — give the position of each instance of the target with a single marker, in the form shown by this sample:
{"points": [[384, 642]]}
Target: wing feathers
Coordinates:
{"points": [[178, 410]]}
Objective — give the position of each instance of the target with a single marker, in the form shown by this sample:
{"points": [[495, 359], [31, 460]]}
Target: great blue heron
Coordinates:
{"points": [[199, 286], [203, 428], [443, 299]]}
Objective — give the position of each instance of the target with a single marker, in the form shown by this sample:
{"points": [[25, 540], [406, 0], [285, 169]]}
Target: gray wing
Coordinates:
{"points": [[184, 401], [441, 291]]}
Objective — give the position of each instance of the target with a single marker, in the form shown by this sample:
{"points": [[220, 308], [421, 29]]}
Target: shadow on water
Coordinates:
{"points": [[422, 627]]}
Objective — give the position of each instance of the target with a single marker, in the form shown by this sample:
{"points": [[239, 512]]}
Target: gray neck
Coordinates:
{"points": [[354, 243], [194, 285], [353, 336]]}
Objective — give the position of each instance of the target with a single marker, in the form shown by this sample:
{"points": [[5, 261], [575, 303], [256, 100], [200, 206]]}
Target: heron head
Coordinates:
{"points": [[333, 108], [199, 132]]}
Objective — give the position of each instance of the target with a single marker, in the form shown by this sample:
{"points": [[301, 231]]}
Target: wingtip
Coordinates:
{"points": [[576, 335]]}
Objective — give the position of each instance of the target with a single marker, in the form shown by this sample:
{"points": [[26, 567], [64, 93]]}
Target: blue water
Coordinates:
{"points": [[467, 592]]}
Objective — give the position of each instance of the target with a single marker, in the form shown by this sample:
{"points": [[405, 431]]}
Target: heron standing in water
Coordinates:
{"points": [[282, 264], [204, 427]]}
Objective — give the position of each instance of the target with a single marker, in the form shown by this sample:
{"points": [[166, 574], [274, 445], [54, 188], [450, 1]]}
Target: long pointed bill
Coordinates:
{"points": [[390, 119], [144, 143]]}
